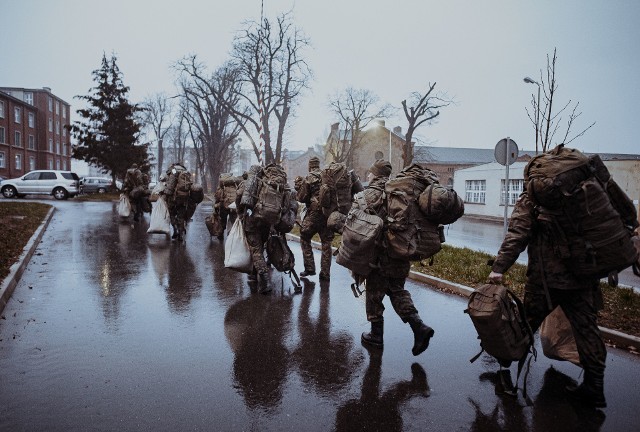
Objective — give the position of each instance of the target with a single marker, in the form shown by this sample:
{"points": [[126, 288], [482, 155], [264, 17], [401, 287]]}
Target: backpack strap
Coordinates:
{"points": [[532, 350]]}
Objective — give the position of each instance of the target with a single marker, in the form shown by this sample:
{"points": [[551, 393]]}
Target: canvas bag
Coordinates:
{"points": [[335, 189], [498, 316], [237, 255], [410, 235], [556, 338], [124, 206], [273, 187], [360, 235], [160, 222], [440, 204]]}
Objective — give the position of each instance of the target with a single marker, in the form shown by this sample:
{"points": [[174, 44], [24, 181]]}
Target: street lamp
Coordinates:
{"points": [[531, 81]]}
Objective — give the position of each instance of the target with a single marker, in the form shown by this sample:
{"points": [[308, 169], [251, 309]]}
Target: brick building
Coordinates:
{"points": [[32, 132]]}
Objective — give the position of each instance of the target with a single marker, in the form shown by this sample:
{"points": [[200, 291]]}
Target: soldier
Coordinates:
{"points": [[177, 205], [135, 188], [388, 278], [257, 234], [225, 194], [315, 222], [579, 298]]}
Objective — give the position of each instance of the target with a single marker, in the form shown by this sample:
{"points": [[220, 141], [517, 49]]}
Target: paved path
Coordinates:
{"points": [[113, 329]]}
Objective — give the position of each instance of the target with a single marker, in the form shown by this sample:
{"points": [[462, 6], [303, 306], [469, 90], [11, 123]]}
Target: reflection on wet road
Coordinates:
{"points": [[114, 329]]}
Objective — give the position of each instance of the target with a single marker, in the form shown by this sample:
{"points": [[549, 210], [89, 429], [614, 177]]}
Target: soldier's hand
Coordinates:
{"points": [[495, 277]]}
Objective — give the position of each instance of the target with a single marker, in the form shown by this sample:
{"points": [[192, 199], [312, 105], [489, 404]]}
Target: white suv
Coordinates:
{"points": [[60, 184]]}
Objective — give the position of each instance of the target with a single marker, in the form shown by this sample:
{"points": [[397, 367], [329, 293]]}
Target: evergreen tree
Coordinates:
{"points": [[107, 134]]}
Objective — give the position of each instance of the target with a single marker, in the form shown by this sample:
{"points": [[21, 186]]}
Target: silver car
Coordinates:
{"points": [[60, 184], [95, 185]]}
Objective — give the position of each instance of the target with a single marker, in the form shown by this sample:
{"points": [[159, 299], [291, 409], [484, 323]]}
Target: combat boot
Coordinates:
{"points": [[307, 273], [504, 384], [375, 336], [263, 285], [422, 334], [590, 391]]}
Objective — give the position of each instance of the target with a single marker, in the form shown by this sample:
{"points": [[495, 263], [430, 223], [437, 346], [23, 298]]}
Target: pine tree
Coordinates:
{"points": [[107, 134]]}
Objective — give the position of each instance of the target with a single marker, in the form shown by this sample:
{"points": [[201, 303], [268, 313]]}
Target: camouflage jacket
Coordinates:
{"points": [[544, 265], [309, 190]]}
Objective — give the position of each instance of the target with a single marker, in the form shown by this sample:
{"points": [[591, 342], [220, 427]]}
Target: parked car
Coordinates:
{"points": [[95, 185], [60, 184]]}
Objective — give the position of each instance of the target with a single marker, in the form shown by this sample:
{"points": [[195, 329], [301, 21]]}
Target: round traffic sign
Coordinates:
{"points": [[506, 151]]}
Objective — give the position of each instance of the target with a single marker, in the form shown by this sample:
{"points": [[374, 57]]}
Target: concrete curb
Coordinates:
{"points": [[619, 339], [17, 269]]}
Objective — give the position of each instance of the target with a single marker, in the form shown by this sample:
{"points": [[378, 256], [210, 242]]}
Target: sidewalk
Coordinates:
{"points": [[619, 339]]}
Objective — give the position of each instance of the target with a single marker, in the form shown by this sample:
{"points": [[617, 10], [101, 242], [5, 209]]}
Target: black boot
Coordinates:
{"points": [[590, 391], [422, 334], [263, 285], [306, 273], [375, 337], [504, 384]]}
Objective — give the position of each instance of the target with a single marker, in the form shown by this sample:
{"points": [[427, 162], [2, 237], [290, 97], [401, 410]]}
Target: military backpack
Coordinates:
{"points": [[335, 189], [273, 187]]}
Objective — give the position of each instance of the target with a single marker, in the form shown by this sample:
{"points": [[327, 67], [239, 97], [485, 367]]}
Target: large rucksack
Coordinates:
{"points": [[229, 185], [335, 190], [360, 236], [410, 235], [251, 187], [588, 216], [273, 187], [499, 318], [289, 213], [183, 187], [440, 204]]}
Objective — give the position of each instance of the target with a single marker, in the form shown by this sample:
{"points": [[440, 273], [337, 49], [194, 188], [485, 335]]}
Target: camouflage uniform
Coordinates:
{"points": [[389, 276], [134, 179], [579, 298], [178, 212], [256, 233], [315, 222]]}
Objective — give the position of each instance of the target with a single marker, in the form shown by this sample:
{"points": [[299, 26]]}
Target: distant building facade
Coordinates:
{"points": [[32, 131]]}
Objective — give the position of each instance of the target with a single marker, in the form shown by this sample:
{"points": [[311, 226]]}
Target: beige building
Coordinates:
{"points": [[296, 163]]}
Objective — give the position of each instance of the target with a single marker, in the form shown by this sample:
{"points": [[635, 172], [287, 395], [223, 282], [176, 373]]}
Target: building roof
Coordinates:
{"points": [[475, 156]]}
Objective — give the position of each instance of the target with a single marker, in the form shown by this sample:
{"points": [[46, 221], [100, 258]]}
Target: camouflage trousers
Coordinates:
{"points": [[256, 240], [316, 223], [579, 306], [178, 216], [377, 287]]}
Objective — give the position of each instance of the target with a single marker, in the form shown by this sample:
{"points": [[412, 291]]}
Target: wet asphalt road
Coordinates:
{"points": [[114, 329]]}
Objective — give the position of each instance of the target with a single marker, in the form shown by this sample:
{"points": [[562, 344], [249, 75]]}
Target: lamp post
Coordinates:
{"points": [[531, 81]]}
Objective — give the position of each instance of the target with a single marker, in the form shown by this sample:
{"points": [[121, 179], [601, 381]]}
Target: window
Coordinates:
{"points": [[50, 104], [32, 142], [46, 175], [2, 160], [64, 149], [515, 189], [33, 176], [51, 146], [57, 108], [58, 127], [64, 131], [17, 139], [57, 164], [32, 163], [18, 162], [57, 147], [64, 165], [28, 98], [50, 124], [17, 114], [32, 120], [2, 141], [50, 163], [475, 191], [1, 109], [64, 111]]}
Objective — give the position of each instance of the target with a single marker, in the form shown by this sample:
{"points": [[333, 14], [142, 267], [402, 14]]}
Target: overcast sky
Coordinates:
{"points": [[477, 51]]}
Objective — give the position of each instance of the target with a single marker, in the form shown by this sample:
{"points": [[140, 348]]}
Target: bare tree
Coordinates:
{"points": [[545, 121], [356, 109], [211, 102], [272, 68], [423, 108], [157, 119]]}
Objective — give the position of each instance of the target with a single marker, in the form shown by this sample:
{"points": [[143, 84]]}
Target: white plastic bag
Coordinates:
{"points": [[124, 207], [155, 193], [160, 219], [237, 255], [556, 338]]}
